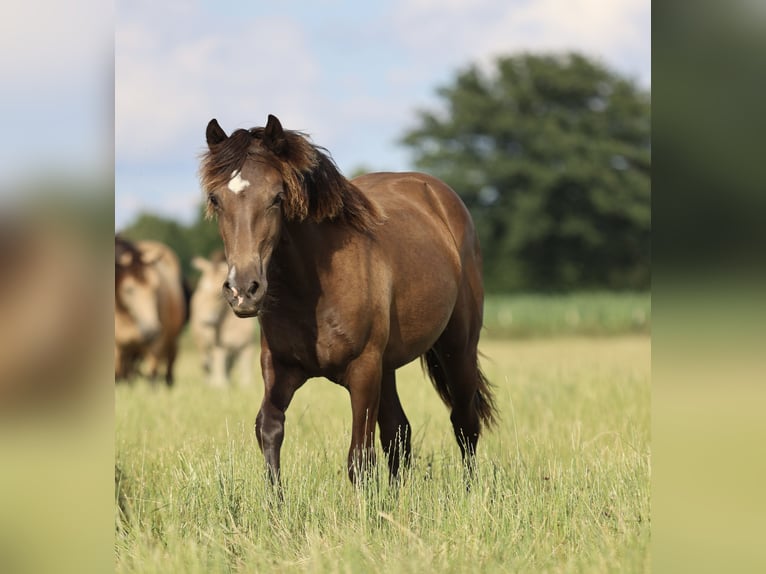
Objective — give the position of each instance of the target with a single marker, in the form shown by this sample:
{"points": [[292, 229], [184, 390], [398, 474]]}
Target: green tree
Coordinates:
{"points": [[551, 154]]}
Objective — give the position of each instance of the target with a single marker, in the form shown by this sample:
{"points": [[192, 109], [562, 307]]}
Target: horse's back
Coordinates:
{"points": [[170, 294], [394, 189]]}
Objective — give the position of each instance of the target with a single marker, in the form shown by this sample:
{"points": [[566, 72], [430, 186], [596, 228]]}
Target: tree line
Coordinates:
{"points": [[552, 156]]}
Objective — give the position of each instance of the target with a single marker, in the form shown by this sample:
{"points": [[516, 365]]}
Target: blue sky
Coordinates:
{"points": [[351, 74], [56, 65]]}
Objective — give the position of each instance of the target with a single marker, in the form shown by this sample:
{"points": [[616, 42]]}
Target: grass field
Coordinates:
{"points": [[562, 484], [587, 313]]}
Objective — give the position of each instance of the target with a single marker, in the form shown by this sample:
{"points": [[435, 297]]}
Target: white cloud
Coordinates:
{"points": [[617, 32], [461, 31], [56, 70], [178, 67], [167, 90], [43, 44]]}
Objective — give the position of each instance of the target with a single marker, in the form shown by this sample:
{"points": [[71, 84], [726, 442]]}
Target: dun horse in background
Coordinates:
{"points": [[350, 280], [222, 339], [150, 307]]}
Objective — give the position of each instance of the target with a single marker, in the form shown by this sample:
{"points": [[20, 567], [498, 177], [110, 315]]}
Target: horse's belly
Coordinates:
{"points": [[420, 315]]}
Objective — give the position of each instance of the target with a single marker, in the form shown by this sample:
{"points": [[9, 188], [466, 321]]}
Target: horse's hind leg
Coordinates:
{"points": [[453, 365], [172, 352], [152, 365], [463, 382], [395, 432]]}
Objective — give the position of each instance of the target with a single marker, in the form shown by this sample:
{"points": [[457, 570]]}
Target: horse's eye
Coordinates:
{"points": [[277, 199], [213, 201]]}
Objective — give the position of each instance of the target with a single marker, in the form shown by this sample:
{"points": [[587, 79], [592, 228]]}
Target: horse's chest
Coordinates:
{"points": [[321, 348]]}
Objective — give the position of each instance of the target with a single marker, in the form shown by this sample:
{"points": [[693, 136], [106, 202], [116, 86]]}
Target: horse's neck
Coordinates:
{"points": [[296, 259]]}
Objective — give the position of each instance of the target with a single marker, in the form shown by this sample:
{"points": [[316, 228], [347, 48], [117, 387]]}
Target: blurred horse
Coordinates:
{"points": [[150, 307], [350, 280], [222, 338], [52, 307]]}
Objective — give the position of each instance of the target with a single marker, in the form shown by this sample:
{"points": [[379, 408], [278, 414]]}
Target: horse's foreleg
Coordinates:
{"points": [[245, 366], [280, 384], [218, 373], [363, 378]]}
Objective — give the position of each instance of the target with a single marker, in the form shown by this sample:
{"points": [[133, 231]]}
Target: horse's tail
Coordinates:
{"points": [[483, 401]]}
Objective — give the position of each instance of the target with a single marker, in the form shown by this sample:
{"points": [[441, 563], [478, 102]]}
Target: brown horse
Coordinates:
{"points": [[350, 280], [150, 307]]}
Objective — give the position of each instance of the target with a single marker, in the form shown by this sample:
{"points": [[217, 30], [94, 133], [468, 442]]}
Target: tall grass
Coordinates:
{"points": [[588, 313], [562, 483]]}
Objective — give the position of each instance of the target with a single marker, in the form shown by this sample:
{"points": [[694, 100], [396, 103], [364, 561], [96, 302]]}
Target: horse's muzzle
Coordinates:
{"points": [[243, 313], [247, 301]]}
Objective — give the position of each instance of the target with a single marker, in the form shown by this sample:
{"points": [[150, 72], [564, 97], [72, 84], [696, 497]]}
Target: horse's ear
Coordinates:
{"points": [[200, 263], [125, 259], [274, 136], [214, 133], [150, 255]]}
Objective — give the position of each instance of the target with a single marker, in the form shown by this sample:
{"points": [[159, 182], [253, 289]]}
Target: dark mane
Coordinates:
{"points": [[127, 257], [314, 187], [222, 159], [127, 262]]}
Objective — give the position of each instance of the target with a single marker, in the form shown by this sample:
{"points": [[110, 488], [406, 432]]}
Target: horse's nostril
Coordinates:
{"points": [[230, 291]]}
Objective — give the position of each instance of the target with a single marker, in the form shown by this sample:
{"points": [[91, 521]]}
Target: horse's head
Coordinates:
{"points": [[245, 188], [208, 307], [136, 282], [257, 179]]}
